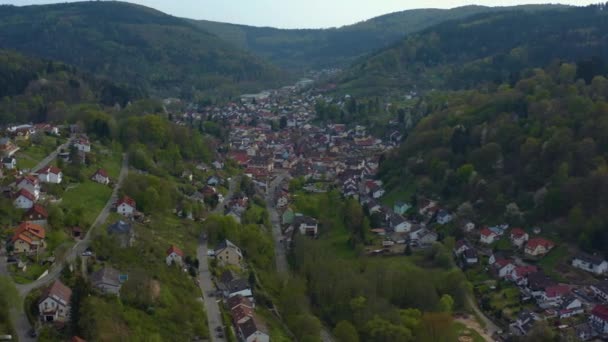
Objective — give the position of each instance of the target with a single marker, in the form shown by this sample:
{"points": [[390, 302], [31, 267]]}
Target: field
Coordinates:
{"points": [[31, 154], [550, 263]]}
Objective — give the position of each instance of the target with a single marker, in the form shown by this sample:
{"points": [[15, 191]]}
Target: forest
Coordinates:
{"points": [[484, 49], [532, 154], [132, 44]]}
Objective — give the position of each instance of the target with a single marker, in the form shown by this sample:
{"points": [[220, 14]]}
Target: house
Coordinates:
{"points": [[487, 236], [54, 304], [213, 181], [106, 280], [288, 217], [101, 176], [238, 287], [469, 257], [126, 206], [31, 184], [570, 306], [468, 226], [520, 274], [240, 314], [306, 225], [28, 238], [599, 319], [538, 247], [518, 237], [443, 217], [585, 331], [253, 330], [24, 199], [82, 144], [553, 295], [123, 232], [174, 256], [461, 246], [9, 163], [37, 215], [503, 268], [399, 224], [524, 322], [538, 282], [427, 237], [50, 174], [401, 207], [601, 290], [228, 253], [590, 263]]}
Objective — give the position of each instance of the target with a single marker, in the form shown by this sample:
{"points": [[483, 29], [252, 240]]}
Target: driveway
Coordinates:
{"points": [[48, 159]]}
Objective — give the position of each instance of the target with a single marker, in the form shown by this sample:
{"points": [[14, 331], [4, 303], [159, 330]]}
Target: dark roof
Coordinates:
{"points": [[120, 227], [251, 326], [58, 290], [303, 219], [539, 281], [602, 286], [106, 275], [592, 259], [238, 285], [226, 277], [238, 300]]}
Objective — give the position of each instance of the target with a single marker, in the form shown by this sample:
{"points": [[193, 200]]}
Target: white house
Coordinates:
{"points": [[9, 163], [571, 306], [174, 256], [443, 217], [126, 206], [31, 184], [306, 225], [469, 226], [590, 263], [54, 305], [399, 224], [253, 331], [504, 267], [599, 318], [101, 177], [82, 144], [24, 200], [601, 289], [518, 237], [487, 236], [50, 174]]}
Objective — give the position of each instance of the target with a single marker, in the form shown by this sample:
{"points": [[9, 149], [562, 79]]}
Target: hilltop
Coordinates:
{"points": [[319, 48], [135, 45]]}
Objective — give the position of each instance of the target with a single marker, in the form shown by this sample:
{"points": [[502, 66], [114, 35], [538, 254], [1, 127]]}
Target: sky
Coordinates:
{"points": [[299, 13]]}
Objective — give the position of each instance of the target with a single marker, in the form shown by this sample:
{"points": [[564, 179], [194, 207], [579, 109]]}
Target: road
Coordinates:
{"points": [[48, 159], [214, 315], [490, 327], [280, 249], [18, 316]]}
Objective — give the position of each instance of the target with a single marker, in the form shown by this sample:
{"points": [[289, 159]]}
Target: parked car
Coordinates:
{"points": [[11, 260]]}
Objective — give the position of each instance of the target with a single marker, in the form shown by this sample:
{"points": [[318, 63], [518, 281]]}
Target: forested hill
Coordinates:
{"points": [[36, 90], [136, 45], [483, 48], [318, 48], [535, 154]]}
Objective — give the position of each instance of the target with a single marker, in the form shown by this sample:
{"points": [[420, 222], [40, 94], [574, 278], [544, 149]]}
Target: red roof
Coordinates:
{"points": [[50, 169], [503, 262], [26, 194], [175, 250], [240, 312], [557, 291], [517, 232], [58, 289], [32, 229], [37, 210], [535, 242], [102, 173], [523, 271], [486, 232], [127, 200], [240, 157], [600, 311], [30, 179], [237, 300]]}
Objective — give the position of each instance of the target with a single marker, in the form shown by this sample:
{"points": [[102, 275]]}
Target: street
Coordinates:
{"points": [[21, 324]]}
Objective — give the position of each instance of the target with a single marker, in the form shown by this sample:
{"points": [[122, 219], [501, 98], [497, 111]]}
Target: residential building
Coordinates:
{"points": [[253, 330], [228, 253], [487, 236], [444, 217], [590, 263], [101, 176], [9, 163], [123, 232], [599, 318], [570, 306], [401, 207], [28, 238], [538, 247], [107, 280], [126, 206], [54, 304], [518, 237], [24, 200], [50, 174], [174, 256], [37, 215], [31, 184], [82, 144], [600, 290], [306, 225]]}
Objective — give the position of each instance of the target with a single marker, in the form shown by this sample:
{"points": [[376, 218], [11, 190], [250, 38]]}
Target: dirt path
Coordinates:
{"points": [[474, 325]]}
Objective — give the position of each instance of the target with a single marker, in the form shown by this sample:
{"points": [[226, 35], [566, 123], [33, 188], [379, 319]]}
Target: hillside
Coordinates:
{"points": [[532, 155], [319, 48], [484, 48], [136, 45], [36, 90]]}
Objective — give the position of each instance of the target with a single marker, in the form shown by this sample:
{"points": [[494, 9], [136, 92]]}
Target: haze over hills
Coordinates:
{"points": [[318, 48], [488, 47], [136, 45]]}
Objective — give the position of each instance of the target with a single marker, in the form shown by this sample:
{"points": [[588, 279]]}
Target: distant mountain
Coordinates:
{"points": [[36, 90], [136, 45], [318, 48], [485, 48]]}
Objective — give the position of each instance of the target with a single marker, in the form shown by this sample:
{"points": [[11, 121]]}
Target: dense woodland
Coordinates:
{"points": [[483, 49], [338, 47], [534, 153], [136, 45]]}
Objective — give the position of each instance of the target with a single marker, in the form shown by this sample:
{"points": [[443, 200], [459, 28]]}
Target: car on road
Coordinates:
{"points": [[220, 335], [219, 328], [32, 333], [87, 253]]}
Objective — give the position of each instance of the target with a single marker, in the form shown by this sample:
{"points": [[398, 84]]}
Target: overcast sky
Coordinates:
{"points": [[298, 13]]}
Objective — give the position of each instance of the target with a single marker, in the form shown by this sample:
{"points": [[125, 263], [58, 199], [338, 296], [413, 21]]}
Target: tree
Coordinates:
{"points": [[346, 332], [446, 303]]}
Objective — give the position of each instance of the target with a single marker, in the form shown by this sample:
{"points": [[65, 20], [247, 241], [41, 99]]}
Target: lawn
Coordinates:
{"points": [[31, 154], [401, 192], [550, 262], [90, 197], [459, 329], [336, 240]]}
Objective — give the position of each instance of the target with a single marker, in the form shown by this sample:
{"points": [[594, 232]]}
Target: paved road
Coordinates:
{"points": [[214, 315], [280, 249], [18, 316], [46, 161]]}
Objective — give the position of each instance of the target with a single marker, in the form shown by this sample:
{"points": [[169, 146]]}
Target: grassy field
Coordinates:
{"points": [[90, 197], [551, 261], [31, 154]]}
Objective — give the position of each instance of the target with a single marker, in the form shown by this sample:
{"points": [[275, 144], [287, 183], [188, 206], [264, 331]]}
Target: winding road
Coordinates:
{"points": [[18, 315]]}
